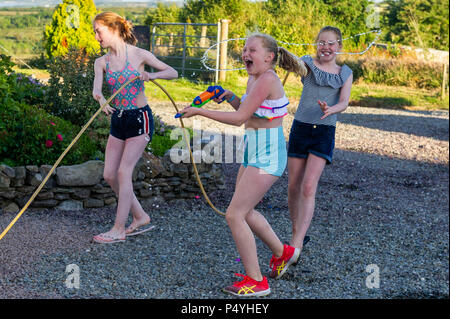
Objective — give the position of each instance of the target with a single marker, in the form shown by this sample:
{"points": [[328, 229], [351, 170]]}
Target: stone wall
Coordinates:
{"points": [[82, 186]]}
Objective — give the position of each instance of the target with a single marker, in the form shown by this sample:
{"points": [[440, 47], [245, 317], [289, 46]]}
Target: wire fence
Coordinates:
{"points": [[182, 46]]}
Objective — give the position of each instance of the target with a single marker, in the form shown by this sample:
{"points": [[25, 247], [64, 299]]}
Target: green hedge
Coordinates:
{"points": [[397, 72], [30, 136]]}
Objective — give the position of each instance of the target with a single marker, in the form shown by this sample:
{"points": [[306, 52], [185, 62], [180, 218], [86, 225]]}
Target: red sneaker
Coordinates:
{"points": [[280, 265], [248, 287]]}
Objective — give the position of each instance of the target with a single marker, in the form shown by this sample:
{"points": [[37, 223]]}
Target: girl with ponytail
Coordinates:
{"points": [[131, 120], [261, 110]]}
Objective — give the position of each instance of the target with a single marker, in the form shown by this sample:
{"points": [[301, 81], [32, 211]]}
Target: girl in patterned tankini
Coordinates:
{"points": [[131, 120]]}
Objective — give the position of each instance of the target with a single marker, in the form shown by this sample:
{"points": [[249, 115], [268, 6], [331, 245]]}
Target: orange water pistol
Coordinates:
{"points": [[211, 93]]}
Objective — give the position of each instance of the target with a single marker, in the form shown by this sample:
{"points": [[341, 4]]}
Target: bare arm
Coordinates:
{"points": [[231, 98], [98, 84], [342, 104], [165, 71], [259, 92]]}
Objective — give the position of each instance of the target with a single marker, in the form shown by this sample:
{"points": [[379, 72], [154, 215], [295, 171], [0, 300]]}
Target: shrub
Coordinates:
{"points": [[30, 136], [70, 87], [20, 87], [161, 141], [397, 72], [71, 25]]}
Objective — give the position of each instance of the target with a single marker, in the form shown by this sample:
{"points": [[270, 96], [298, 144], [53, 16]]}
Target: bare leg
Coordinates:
{"points": [[304, 177], [132, 151], [250, 188], [113, 156], [260, 227]]}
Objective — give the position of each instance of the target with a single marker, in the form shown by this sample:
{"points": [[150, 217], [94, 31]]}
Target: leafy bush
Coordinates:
{"points": [[71, 25], [397, 72], [161, 141], [30, 136], [18, 86], [70, 87]]}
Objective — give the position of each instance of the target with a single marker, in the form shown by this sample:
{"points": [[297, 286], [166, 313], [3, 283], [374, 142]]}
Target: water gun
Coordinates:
{"points": [[212, 92]]}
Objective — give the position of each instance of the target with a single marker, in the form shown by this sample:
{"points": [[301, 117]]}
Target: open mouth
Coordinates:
{"points": [[326, 53], [248, 63]]}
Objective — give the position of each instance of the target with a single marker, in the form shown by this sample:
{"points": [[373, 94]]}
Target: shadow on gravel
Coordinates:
{"points": [[381, 102], [415, 123]]}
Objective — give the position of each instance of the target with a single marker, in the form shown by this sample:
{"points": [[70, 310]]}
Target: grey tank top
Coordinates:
{"points": [[319, 85]]}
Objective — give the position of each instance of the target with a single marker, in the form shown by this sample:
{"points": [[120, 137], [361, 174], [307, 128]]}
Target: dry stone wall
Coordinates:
{"points": [[82, 186]]}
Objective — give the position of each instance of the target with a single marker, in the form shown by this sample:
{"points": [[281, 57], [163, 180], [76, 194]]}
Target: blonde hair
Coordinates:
{"points": [[283, 57], [335, 30], [115, 22]]}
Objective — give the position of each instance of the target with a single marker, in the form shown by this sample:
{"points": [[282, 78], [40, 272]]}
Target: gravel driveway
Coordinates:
{"points": [[382, 207]]}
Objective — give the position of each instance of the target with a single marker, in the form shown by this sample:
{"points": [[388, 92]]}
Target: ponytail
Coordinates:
{"points": [[291, 63], [116, 22], [126, 31]]}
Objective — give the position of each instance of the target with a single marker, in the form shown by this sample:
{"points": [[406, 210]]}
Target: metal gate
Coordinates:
{"points": [[181, 46]]}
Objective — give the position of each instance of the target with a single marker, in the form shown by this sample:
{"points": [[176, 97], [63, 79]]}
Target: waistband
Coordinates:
{"points": [[263, 130], [131, 112]]}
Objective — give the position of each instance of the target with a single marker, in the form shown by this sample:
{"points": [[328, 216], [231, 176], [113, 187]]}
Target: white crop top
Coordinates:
{"points": [[271, 109]]}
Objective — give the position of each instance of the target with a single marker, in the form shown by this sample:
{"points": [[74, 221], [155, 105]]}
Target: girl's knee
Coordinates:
{"points": [[123, 175], [233, 217], [109, 177], [308, 189]]}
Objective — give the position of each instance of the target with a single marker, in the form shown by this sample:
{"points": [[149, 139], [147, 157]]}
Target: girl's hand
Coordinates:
{"points": [[190, 111], [146, 76], [107, 108], [224, 97], [327, 111]]}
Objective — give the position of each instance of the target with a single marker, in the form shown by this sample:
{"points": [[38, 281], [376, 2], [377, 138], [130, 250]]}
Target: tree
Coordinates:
{"points": [[71, 25], [421, 23], [350, 15], [163, 13]]}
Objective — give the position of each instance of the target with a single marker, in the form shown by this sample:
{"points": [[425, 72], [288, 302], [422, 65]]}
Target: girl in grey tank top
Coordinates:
{"points": [[320, 85], [326, 92]]}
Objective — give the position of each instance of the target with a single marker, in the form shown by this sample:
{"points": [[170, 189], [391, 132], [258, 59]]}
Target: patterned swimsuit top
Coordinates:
{"points": [[126, 99], [271, 109]]}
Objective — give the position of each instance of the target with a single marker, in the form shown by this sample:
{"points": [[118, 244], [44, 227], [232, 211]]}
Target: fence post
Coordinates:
{"points": [[223, 48], [444, 80], [216, 78], [183, 62], [203, 36]]}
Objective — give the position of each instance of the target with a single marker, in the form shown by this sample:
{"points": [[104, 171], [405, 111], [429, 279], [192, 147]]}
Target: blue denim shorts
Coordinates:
{"points": [[130, 123], [265, 148], [308, 138]]}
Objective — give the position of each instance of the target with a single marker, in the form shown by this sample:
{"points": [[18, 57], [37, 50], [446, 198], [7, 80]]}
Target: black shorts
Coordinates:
{"points": [[130, 123], [308, 138]]}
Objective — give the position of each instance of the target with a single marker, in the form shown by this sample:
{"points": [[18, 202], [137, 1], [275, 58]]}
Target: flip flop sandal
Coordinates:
{"points": [[106, 239], [140, 230]]}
